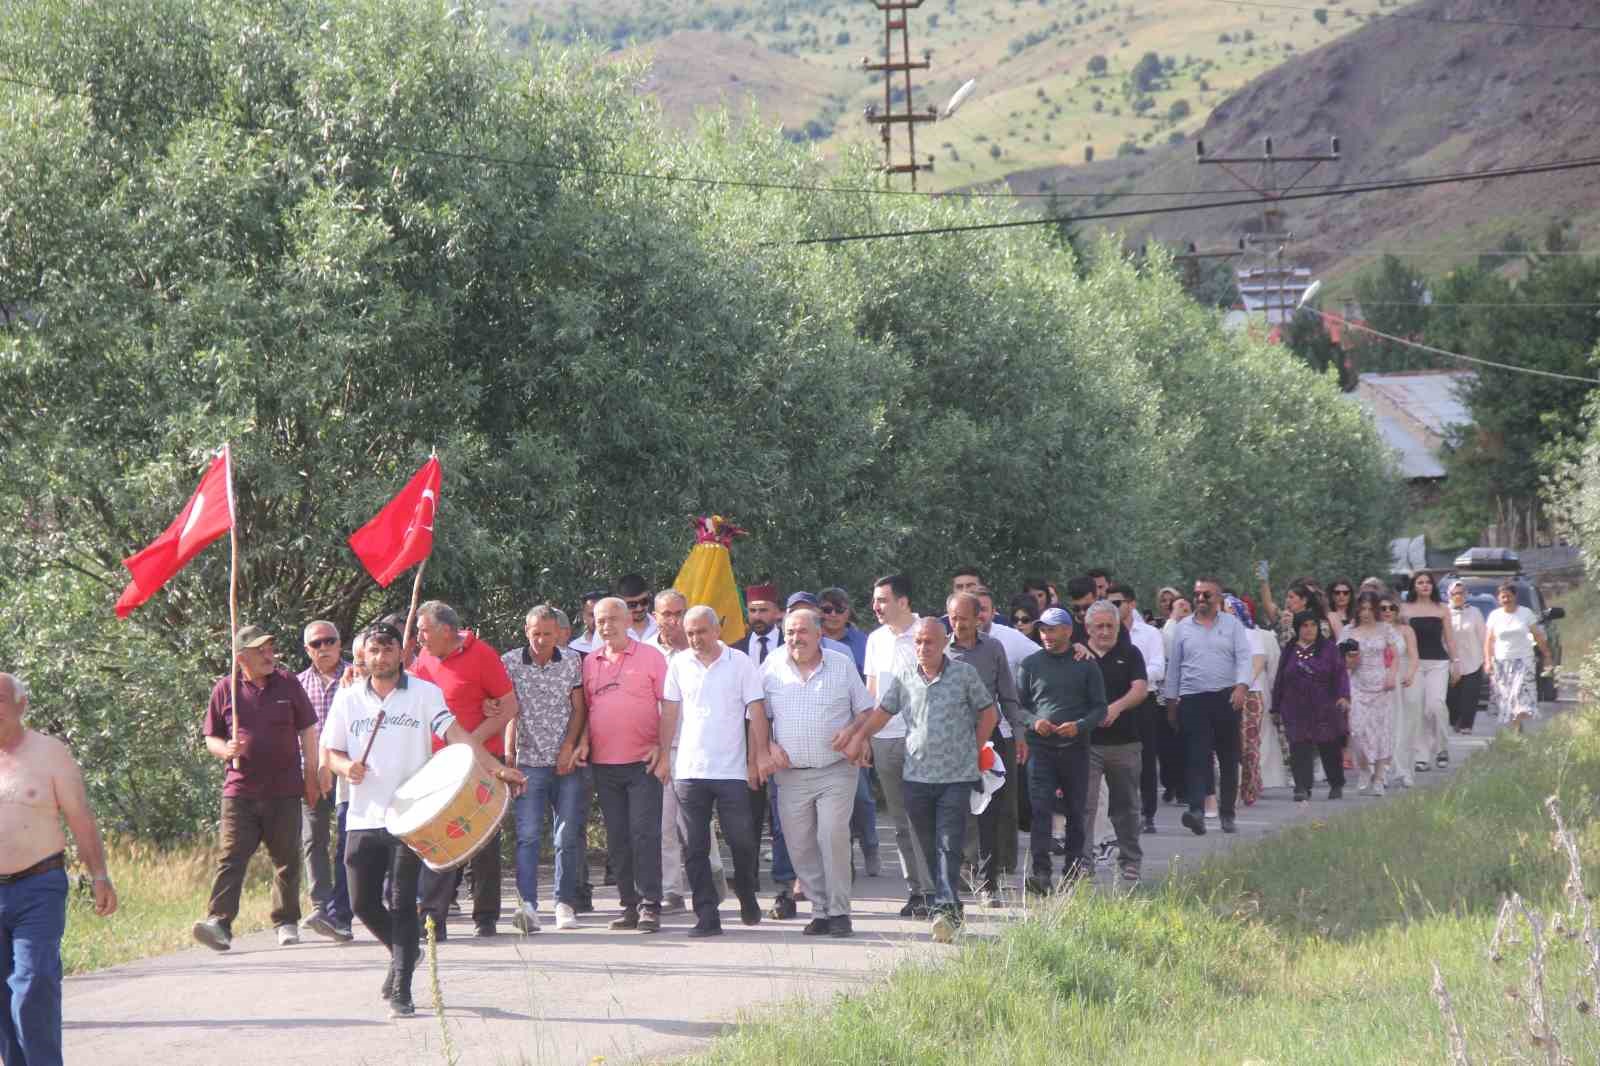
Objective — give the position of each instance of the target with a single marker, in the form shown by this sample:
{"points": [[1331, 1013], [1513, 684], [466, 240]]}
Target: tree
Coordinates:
{"points": [[1178, 111], [1393, 300], [1321, 15], [1147, 73], [1307, 337], [350, 234], [1097, 66]]}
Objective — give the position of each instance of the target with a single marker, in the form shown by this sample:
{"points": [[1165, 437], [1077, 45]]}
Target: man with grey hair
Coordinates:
{"points": [[711, 690], [330, 893], [629, 742], [1115, 751], [41, 784], [813, 696], [483, 701], [543, 744]]}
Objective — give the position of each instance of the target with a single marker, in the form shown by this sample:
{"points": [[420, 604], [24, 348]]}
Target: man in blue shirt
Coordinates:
{"points": [[1208, 674]]}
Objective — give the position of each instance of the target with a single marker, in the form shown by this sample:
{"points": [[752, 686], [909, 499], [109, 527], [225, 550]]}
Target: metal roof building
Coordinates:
{"points": [[1414, 412]]}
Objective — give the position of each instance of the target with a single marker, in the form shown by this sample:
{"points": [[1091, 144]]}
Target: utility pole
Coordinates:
{"points": [[1272, 238], [895, 14]]}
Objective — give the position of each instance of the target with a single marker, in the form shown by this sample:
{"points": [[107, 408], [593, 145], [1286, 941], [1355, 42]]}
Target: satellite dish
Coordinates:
{"points": [[959, 98]]}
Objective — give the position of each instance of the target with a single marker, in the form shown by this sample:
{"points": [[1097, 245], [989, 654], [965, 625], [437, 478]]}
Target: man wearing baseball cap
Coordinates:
{"points": [[1063, 700], [270, 750]]}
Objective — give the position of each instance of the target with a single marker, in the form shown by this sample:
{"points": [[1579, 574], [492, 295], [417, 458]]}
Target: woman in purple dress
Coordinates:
{"points": [[1312, 696]]}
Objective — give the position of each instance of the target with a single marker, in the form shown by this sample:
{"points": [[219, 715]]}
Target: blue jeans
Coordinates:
{"points": [[566, 795], [864, 818], [938, 815], [33, 917]]}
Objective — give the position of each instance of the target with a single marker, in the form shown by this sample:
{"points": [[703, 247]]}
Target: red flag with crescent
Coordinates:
{"points": [[401, 535], [207, 516]]}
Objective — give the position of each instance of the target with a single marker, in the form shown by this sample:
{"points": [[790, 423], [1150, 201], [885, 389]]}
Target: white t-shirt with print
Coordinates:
{"points": [[413, 714]]}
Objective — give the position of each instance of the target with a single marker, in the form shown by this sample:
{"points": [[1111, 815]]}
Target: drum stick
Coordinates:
{"points": [[377, 724]]}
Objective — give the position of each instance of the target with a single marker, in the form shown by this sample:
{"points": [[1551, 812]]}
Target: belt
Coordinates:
{"points": [[58, 861]]}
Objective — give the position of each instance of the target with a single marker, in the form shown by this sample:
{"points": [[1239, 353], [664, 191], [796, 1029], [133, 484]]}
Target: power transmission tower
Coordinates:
{"points": [[895, 14], [1272, 239]]}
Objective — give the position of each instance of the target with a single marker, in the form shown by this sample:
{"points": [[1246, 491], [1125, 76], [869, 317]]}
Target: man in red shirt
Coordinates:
{"points": [[271, 759], [480, 695]]}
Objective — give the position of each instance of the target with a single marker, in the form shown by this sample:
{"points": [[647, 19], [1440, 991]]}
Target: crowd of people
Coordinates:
{"points": [[966, 728]]}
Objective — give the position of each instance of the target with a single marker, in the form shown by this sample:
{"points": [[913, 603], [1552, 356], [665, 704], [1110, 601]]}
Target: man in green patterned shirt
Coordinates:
{"points": [[949, 715]]}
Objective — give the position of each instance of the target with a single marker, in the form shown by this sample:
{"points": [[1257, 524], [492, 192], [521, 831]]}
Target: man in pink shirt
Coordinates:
{"points": [[629, 741]]}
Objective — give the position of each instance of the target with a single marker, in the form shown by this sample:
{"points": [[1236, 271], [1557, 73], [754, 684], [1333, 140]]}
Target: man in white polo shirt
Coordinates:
{"points": [[712, 690], [888, 647], [414, 712]]}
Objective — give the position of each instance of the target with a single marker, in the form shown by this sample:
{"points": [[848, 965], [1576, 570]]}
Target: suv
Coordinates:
{"points": [[1484, 570]]}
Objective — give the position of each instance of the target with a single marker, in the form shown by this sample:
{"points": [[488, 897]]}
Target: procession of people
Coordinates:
{"points": [[961, 728]]}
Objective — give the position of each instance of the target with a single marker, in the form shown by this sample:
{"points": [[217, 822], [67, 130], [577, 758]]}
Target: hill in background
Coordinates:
{"points": [[1407, 98], [1037, 104]]}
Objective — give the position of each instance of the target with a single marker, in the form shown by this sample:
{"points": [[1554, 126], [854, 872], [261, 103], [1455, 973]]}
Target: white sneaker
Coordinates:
{"points": [[566, 917], [288, 936], [1379, 790], [525, 919]]}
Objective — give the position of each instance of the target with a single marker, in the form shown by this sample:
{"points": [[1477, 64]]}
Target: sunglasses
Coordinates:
{"points": [[1022, 620], [829, 608], [323, 642], [1341, 592], [1116, 603], [639, 604], [1203, 595]]}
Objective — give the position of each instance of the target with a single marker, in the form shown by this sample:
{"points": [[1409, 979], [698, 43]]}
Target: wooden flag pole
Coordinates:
{"points": [[411, 614], [233, 612]]}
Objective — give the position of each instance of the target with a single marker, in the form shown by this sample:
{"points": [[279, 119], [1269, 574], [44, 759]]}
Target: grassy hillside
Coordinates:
{"points": [[1406, 97], [1037, 104]]}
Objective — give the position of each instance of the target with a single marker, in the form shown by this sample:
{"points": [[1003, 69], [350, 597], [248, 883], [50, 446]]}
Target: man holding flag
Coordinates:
{"points": [[266, 734]]}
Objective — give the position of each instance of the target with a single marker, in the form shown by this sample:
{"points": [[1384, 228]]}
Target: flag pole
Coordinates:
{"points": [[233, 597], [416, 591]]}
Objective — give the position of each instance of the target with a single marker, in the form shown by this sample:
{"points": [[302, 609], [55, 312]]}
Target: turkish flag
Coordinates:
{"points": [[207, 516], [400, 535]]}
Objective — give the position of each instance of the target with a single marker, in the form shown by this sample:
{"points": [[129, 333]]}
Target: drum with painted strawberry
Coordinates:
{"points": [[449, 809]]}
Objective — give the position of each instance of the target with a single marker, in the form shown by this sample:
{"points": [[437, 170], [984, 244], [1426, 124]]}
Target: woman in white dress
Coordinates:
{"points": [[1513, 631], [1407, 693]]}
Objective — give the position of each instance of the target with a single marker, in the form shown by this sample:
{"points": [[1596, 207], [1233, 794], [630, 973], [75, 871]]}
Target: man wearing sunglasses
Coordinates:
{"points": [[330, 897], [1208, 674], [635, 593]]}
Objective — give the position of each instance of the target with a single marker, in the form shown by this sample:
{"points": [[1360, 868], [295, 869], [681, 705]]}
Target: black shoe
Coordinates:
{"points": [[750, 911], [401, 1006], [484, 929], [839, 925], [1035, 886], [703, 929], [628, 919], [387, 991], [914, 903], [783, 907], [1168, 797], [584, 903], [1335, 792], [816, 927], [1301, 797], [1149, 825], [1195, 823], [1227, 824], [649, 918]]}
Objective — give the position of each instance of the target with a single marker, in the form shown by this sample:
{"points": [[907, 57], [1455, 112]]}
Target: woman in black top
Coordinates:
{"points": [[1436, 671]]}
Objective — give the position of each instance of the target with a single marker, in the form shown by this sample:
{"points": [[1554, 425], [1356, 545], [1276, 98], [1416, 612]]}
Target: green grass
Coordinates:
{"points": [[1314, 946], [160, 894]]}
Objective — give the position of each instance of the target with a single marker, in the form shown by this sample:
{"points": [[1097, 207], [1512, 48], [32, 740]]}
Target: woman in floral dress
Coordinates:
{"points": [[1372, 684]]}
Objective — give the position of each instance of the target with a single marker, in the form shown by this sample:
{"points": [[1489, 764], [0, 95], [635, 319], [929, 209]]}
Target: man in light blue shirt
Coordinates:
{"points": [[1208, 674]]}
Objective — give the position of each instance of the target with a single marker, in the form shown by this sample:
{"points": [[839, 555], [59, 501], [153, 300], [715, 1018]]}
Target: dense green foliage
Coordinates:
{"points": [[341, 234], [1312, 946]]}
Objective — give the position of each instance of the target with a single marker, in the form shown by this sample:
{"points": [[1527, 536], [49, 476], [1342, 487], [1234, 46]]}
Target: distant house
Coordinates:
{"points": [[1415, 411]]}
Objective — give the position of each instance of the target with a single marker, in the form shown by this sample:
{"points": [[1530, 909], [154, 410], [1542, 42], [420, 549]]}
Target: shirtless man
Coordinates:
{"points": [[39, 784]]}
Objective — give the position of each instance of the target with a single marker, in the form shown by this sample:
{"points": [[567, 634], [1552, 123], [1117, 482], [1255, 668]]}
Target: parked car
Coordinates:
{"points": [[1485, 570]]}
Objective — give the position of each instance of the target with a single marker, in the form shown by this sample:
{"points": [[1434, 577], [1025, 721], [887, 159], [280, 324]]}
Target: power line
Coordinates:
{"points": [[1449, 354], [1469, 20], [1412, 183], [1419, 303]]}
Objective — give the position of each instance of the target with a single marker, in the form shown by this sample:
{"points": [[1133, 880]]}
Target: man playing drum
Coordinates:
{"points": [[413, 713]]}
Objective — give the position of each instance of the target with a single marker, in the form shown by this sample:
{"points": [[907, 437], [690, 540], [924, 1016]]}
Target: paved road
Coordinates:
{"points": [[564, 997]]}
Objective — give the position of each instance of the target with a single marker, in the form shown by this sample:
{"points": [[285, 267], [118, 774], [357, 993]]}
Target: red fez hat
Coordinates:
{"points": [[767, 592]]}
